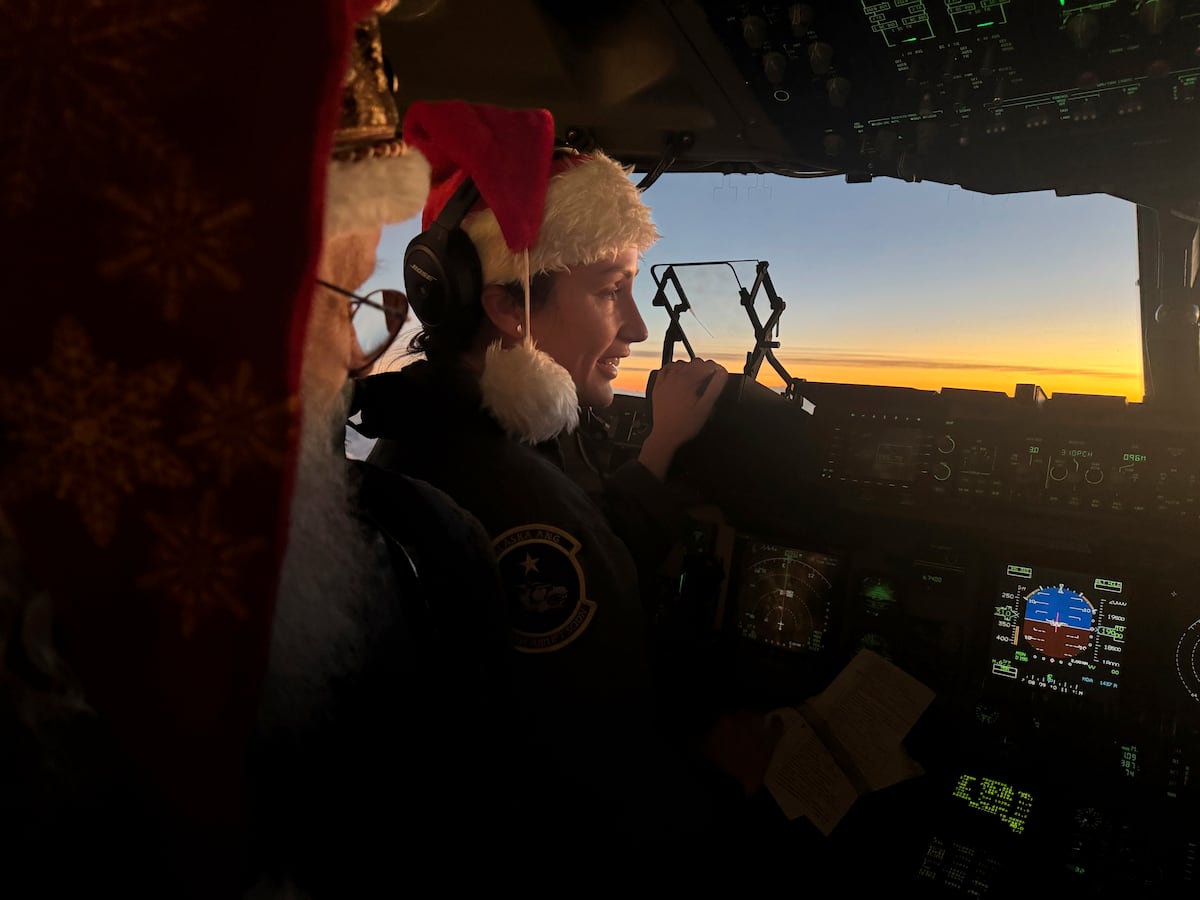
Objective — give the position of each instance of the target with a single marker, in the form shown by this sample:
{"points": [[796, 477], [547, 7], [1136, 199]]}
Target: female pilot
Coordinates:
{"points": [[523, 281]]}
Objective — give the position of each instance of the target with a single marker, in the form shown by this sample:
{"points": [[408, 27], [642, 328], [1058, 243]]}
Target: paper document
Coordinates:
{"points": [[846, 741]]}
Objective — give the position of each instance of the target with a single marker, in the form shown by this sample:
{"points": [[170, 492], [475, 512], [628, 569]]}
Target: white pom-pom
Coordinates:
{"points": [[532, 396]]}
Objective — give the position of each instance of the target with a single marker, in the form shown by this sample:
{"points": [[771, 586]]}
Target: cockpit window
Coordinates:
{"points": [[919, 285]]}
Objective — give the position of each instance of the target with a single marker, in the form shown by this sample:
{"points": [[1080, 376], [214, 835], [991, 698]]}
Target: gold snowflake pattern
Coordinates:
{"points": [[176, 238], [198, 566], [76, 74], [88, 433], [237, 426]]}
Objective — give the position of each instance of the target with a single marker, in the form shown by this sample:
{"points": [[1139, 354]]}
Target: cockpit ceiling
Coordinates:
{"points": [[999, 97]]}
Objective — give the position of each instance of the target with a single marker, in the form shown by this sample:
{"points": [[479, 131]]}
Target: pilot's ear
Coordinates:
{"points": [[504, 310]]}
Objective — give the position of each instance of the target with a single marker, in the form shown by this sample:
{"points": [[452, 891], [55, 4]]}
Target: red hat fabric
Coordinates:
{"points": [[165, 193], [506, 152]]}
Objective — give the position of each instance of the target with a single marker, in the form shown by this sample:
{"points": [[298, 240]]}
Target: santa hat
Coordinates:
{"points": [[374, 177], [538, 212]]}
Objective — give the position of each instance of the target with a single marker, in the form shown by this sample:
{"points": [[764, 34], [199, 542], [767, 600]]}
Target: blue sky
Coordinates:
{"points": [[913, 285]]}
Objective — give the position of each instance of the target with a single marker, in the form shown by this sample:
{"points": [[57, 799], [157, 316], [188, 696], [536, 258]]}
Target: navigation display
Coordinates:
{"points": [[1060, 631], [784, 596], [885, 454]]}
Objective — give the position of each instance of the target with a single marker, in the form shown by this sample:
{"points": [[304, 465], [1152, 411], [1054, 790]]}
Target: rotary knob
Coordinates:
{"points": [[838, 90], [754, 31], [800, 17], [945, 444], [775, 66], [1082, 29], [1156, 16], [942, 471], [820, 57]]}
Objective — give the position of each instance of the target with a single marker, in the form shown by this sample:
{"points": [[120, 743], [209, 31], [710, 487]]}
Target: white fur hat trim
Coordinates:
{"points": [[593, 211], [376, 191]]}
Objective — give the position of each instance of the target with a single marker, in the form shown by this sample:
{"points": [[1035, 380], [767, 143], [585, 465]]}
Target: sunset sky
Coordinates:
{"points": [[890, 283]]}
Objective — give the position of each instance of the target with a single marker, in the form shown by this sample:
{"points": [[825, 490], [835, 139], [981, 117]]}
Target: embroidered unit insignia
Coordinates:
{"points": [[547, 596]]}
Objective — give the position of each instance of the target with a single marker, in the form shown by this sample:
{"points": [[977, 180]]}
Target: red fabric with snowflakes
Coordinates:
{"points": [[161, 172]]}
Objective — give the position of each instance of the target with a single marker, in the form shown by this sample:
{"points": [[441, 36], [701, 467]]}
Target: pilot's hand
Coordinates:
{"points": [[682, 400], [740, 744]]}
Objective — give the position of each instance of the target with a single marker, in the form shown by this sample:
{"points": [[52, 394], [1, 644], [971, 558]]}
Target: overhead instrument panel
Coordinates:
{"points": [[995, 95]]}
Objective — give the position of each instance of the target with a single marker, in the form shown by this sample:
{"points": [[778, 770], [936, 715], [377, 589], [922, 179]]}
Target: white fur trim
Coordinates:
{"points": [[376, 191], [593, 211], [532, 396]]}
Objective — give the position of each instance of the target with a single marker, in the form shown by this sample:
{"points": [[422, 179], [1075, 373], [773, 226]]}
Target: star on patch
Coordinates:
{"points": [[530, 564]]}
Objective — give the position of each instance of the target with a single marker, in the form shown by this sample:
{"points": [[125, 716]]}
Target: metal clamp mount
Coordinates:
{"points": [[764, 332]]}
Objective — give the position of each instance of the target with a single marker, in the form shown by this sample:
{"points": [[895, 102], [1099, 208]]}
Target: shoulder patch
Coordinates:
{"points": [[547, 596]]}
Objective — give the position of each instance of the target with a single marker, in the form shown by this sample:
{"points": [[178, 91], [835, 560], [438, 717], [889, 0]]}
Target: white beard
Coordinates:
{"points": [[26, 629], [330, 572]]}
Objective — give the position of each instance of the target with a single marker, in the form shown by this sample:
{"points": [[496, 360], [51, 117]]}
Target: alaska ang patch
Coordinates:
{"points": [[547, 597]]}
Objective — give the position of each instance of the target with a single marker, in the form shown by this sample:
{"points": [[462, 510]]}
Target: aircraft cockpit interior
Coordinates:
{"points": [[1031, 557]]}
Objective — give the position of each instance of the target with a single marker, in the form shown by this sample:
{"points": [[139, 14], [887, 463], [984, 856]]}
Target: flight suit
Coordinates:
{"points": [[593, 763]]}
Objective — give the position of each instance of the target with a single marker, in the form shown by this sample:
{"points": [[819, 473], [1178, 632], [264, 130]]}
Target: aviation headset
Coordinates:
{"points": [[442, 274]]}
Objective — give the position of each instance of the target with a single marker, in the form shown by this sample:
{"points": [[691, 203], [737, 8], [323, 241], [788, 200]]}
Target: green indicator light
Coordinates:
{"points": [[909, 41], [880, 592], [984, 24]]}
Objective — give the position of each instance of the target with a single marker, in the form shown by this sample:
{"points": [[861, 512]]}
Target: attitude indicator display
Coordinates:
{"points": [[1059, 631]]}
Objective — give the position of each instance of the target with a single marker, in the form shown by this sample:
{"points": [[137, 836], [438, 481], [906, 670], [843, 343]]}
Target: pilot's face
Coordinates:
{"points": [[590, 323]]}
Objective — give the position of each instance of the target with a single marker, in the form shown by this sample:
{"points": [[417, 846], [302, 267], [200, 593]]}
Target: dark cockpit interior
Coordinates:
{"points": [[1002, 96], [1032, 559]]}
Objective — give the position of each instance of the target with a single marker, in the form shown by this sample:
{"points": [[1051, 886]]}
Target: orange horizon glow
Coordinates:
{"points": [[926, 375]]}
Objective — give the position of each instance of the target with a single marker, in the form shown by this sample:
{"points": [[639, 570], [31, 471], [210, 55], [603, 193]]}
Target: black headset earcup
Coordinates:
{"points": [[442, 276], [424, 280]]}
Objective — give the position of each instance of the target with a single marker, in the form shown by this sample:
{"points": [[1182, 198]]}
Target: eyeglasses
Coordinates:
{"points": [[377, 319]]}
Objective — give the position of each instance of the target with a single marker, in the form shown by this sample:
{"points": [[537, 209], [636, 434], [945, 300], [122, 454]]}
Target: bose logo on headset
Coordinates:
{"points": [[442, 274]]}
